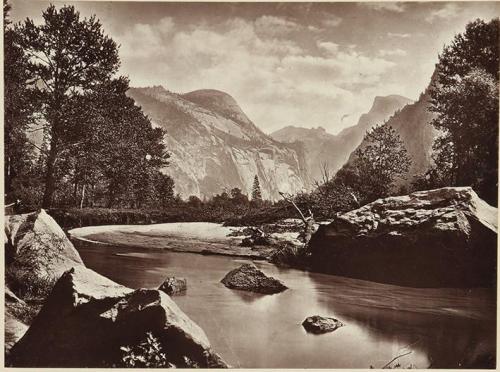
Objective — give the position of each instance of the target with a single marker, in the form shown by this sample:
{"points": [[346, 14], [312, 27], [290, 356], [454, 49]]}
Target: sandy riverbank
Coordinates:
{"points": [[195, 237]]}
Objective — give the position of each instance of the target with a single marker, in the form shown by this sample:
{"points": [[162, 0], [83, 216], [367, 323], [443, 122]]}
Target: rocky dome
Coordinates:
{"points": [[218, 101]]}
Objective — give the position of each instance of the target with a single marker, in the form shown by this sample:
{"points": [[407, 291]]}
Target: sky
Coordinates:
{"points": [[302, 64]]}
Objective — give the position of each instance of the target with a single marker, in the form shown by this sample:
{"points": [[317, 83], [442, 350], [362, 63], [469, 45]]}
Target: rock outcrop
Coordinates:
{"points": [[320, 324], [87, 318], [249, 278], [438, 238], [174, 286], [213, 145], [35, 240]]}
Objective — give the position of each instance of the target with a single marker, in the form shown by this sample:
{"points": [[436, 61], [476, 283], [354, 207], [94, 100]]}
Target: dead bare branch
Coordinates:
{"points": [[396, 358]]}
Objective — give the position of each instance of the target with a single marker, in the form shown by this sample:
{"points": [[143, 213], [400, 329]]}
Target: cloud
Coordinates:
{"points": [[448, 11], [275, 26], [396, 7], [392, 52], [328, 46], [275, 80], [398, 35], [145, 40], [330, 20]]}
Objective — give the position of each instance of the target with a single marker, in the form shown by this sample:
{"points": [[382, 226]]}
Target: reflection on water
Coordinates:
{"points": [[442, 327]]}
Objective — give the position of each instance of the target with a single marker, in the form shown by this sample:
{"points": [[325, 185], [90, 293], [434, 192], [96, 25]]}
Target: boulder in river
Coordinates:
{"points": [[174, 286], [249, 278], [437, 238], [320, 324], [87, 318]]}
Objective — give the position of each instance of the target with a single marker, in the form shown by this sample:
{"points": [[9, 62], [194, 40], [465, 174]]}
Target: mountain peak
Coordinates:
{"points": [[389, 103], [157, 89], [218, 101]]}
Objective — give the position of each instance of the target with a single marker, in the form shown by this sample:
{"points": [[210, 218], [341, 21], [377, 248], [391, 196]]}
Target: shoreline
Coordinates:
{"points": [[171, 238]]}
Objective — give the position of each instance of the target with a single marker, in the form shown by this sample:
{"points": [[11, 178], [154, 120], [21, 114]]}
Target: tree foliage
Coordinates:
{"points": [[69, 57], [464, 96], [377, 165], [19, 109], [101, 149]]}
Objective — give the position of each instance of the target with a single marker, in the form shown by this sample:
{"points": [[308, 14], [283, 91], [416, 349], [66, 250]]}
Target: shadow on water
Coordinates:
{"points": [[248, 297], [393, 313]]}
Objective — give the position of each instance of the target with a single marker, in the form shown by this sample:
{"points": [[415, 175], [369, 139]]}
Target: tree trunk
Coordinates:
{"points": [[75, 191], [50, 181], [8, 175], [111, 196], [83, 196], [49, 175]]}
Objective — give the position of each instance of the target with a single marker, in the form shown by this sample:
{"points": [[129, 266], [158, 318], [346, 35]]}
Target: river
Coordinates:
{"points": [[443, 328]]}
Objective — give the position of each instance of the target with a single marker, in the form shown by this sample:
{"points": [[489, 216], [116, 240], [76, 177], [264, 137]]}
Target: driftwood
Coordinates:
{"points": [[396, 358], [308, 221]]}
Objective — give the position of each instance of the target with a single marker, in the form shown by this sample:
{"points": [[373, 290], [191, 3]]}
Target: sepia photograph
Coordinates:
{"points": [[269, 185]]}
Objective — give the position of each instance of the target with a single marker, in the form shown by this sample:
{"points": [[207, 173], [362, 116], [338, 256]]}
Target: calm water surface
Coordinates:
{"points": [[442, 327]]}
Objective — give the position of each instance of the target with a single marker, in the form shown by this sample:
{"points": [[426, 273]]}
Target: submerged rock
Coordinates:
{"points": [[87, 318], [437, 238], [249, 278], [319, 324], [173, 286]]}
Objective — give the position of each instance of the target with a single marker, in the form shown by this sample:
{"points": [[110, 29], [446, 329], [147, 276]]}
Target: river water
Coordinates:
{"points": [[443, 328]]}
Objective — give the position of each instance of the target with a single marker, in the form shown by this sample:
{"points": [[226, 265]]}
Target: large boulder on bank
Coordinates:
{"points": [[438, 238], [87, 318], [320, 324], [174, 286], [249, 278], [35, 241]]}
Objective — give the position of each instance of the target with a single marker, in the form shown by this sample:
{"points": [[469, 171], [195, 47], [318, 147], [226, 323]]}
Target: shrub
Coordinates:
{"points": [[147, 354]]}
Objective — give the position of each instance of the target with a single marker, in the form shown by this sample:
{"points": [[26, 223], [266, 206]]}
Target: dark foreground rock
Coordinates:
{"points": [[249, 278], [87, 318], [174, 286], [319, 324], [438, 238]]}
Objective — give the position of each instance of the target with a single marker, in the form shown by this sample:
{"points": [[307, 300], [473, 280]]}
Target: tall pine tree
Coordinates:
{"points": [[69, 57], [256, 192]]}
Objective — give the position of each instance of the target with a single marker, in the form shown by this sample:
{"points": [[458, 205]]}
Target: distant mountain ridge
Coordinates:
{"points": [[323, 147], [214, 146]]}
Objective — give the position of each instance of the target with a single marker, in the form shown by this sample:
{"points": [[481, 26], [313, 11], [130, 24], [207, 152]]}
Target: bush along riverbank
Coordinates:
{"points": [[88, 318]]}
